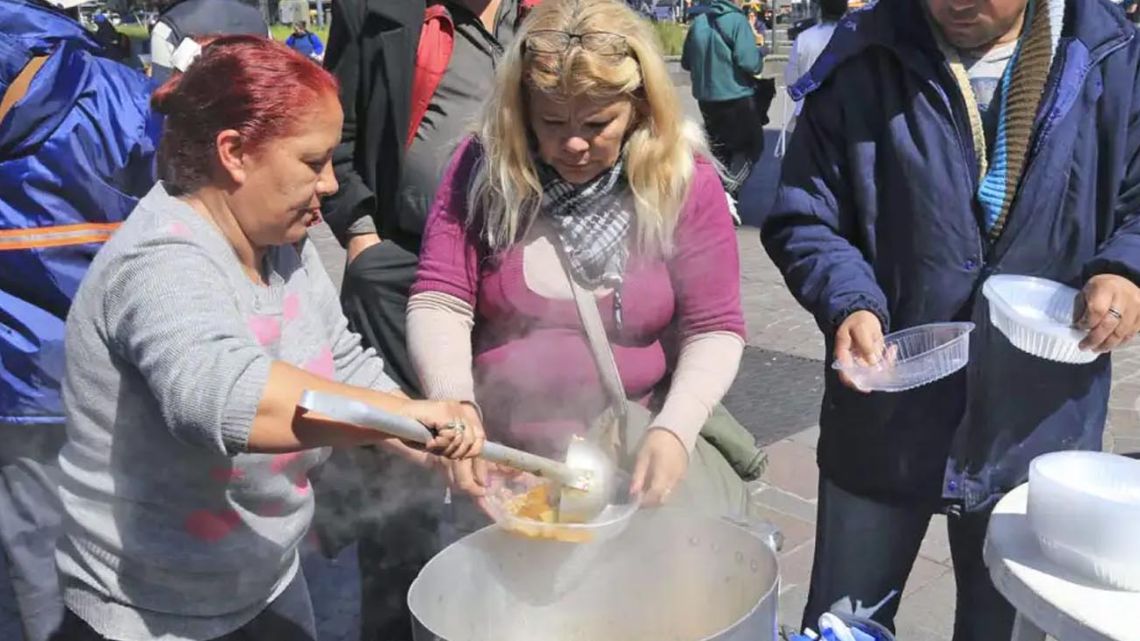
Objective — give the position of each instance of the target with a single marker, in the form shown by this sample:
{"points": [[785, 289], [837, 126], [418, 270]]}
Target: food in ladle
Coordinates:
{"points": [[536, 515]]}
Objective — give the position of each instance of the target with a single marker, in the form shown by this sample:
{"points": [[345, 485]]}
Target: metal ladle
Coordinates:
{"points": [[587, 480]]}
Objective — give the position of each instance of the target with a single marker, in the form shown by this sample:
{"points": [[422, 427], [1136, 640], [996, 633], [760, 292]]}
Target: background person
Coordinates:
{"points": [[811, 42], [721, 56], [305, 42], [181, 19], [118, 44]]}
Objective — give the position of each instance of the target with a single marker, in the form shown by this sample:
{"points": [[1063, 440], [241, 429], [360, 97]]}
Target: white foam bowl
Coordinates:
{"points": [[1084, 508], [1036, 315], [913, 357]]}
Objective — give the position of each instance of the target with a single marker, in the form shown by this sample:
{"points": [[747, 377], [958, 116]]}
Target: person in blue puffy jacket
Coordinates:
{"points": [[942, 142], [77, 144], [305, 42]]}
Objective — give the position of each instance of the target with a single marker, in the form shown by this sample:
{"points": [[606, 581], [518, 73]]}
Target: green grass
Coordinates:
{"points": [[671, 35], [280, 32], [135, 31]]}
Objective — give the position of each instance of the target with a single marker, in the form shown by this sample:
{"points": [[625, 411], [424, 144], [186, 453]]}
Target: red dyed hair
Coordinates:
{"points": [[258, 87]]}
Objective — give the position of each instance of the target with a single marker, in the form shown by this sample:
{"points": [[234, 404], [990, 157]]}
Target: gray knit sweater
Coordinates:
{"points": [[173, 530]]}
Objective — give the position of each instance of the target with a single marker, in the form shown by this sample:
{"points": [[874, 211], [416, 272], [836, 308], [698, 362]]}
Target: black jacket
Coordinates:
{"points": [[371, 50], [188, 18]]}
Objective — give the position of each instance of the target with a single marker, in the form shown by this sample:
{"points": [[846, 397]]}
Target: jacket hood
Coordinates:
{"points": [[40, 27], [715, 9], [29, 28], [50, 98], [901, 26]]}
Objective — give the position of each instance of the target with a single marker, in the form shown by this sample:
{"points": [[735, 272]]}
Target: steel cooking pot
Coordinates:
{"points": [[671, 576]]}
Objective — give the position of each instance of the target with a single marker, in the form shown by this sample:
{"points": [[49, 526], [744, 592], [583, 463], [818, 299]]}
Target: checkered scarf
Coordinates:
{"points": [[592, 222]]}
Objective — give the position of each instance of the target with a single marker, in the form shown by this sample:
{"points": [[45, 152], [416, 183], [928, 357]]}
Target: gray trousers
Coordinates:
{"points": [[31, 607]]}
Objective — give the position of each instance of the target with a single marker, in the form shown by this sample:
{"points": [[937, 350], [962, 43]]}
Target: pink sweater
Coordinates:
{"points": [[535, 378]]}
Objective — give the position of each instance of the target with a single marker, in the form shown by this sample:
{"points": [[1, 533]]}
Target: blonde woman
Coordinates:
{"points": [[582, 152]]}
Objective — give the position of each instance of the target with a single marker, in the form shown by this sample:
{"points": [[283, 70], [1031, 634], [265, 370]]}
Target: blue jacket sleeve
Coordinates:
{"points": [[318, 46], [811, 230], [1120, 252]]}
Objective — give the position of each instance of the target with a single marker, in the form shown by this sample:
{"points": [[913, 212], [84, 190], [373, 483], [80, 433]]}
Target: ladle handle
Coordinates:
{"points": [[346, 410]]}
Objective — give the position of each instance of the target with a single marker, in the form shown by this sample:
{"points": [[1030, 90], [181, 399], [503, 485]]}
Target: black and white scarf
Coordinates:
{"points": [[592, 221]]}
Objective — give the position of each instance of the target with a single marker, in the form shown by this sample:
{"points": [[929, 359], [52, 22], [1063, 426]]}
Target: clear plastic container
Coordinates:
{"points": [[609, 524], [1037, 316], [913, 357], [1084, 508]]}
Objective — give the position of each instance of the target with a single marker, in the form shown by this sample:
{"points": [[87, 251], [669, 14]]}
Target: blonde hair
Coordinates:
{"points": [[660, 150]]}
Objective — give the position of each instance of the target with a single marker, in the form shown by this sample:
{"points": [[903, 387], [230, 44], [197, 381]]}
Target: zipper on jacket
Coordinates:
{"points": [[1049, 121], [1041, 133]]}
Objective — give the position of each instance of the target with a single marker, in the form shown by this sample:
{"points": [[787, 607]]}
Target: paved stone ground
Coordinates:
{"points": [[777, 389]]}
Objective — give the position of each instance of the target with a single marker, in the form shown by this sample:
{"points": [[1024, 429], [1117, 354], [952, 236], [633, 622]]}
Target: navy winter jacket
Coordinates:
{"points": [[876, 211]]}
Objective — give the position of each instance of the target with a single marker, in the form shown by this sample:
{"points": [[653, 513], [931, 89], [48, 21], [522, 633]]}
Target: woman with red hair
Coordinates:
{"points": [[200, 324]]}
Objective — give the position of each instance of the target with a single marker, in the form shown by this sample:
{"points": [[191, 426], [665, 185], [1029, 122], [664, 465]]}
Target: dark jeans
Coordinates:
{"points": [[288, 618], [865, 549], [375, 300], [736, 133], [30, 522]]}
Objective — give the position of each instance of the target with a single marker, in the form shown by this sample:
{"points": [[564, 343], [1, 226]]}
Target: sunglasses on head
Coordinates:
{"points": [[549, 41]]}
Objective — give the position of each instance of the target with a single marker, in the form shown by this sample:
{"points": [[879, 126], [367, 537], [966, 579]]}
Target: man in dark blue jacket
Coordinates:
{"points": [[944, 141], [77, 144]]}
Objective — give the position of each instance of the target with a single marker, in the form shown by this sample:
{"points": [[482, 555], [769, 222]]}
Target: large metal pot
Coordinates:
{"points": [[671, 576]]}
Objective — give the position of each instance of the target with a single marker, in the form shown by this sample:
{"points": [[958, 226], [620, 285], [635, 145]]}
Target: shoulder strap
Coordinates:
{"points": [[595, 329], [175, 36], [437, 40]]}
